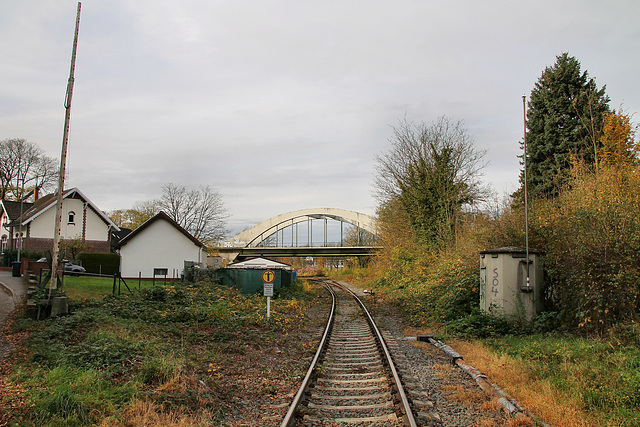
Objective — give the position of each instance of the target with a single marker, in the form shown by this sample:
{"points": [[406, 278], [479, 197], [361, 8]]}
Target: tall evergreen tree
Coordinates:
{"points": [[564, 121]]}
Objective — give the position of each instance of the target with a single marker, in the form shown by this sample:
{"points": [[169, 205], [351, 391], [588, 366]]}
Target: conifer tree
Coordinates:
{"points": [[564, 122]]}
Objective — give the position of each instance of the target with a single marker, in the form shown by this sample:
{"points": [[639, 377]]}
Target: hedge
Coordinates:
{"points": [[11, 255], [100, 263]]}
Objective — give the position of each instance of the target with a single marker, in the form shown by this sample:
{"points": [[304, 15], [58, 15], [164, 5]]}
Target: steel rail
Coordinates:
{"points": [[289, 418], [404, 401]]}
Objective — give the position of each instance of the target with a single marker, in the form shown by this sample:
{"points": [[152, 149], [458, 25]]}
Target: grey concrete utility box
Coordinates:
{"points": [[503, 283]]}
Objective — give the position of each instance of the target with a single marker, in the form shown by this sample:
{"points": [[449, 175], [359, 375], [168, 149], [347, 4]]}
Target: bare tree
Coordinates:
{"points": [[432, 171], [134, 217], [24, 167], [201, 212], [356, 236]]}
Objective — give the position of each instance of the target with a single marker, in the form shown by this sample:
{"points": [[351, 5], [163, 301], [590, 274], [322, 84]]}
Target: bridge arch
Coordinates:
{"points": [[261, 231]]}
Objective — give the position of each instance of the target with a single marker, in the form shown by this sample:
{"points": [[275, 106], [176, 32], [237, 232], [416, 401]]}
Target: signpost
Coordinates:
{"points": [[268, 277]]}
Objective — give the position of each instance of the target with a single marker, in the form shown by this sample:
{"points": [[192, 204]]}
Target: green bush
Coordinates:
{"points": [[11, 255], [479, 324], [161, 368], [547, 321], [594, 250], [459, 297], [97, 263]]}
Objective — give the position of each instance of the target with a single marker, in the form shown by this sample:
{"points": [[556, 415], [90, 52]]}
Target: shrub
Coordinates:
{"points": [[11, 255], [547, 321], [154, 293], [460, 296], [161, 369], [479, 324], [594, 250]]}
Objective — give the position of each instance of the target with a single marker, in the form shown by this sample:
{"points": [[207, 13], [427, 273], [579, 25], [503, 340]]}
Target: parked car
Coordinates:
{"points": [[69, 268], [73, 269]]}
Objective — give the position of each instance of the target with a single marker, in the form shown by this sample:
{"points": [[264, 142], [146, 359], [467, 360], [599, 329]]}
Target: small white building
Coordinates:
{"points": [[159, 245]]}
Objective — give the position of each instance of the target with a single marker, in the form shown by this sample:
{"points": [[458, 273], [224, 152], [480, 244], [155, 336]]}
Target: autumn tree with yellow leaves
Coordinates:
{"points": [[619, 146]]}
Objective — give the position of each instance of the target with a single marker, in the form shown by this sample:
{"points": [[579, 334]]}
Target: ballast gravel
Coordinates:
{"points": [[442, 393]]}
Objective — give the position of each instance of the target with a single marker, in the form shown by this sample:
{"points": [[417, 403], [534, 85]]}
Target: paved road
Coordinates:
{"points": [[12, 290]]}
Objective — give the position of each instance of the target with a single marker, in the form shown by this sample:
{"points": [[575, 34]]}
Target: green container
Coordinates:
{"points": [[250, 280]]}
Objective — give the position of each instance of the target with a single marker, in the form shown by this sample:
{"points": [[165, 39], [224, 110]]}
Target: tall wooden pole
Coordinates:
{"points": [[63, 158], [526, 196]]}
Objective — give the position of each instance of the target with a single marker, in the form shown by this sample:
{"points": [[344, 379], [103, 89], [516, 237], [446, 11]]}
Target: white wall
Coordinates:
{"points": [[4, 231], [97, 229], [160, 245], [44, 224]]}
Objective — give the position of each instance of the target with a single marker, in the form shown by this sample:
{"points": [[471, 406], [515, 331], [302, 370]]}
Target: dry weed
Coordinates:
{"points": [[143, 413], [441, 367], [176, 384], [465, 396], [519, 422], [487, 422], [515, 377], [491, 405]]}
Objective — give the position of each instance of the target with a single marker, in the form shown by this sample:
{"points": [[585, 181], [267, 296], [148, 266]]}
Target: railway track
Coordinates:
{"points": [[352, 379]]}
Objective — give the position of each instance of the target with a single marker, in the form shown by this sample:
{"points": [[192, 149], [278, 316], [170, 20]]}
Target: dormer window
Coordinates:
{"points": [[72, 217]]}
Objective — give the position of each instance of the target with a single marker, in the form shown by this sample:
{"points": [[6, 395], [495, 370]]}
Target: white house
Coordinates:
{"points": [[80, 219], [159, 245], [9, 212]]}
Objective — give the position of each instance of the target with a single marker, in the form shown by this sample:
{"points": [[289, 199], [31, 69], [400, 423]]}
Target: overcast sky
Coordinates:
{"points": [[283, 104]]}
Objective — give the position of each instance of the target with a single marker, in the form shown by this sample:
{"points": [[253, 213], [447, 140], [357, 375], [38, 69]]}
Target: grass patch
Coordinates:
{"points": [[87, 287], [70, 396], [170, 351], [565, 380]]}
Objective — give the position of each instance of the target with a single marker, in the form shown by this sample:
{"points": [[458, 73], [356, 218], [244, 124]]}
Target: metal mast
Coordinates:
{"points": [[63, 158], [526, 202]]}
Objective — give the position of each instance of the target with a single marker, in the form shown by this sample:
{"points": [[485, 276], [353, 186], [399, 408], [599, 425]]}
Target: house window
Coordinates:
{"points": [[4, 243], [72, 217]]}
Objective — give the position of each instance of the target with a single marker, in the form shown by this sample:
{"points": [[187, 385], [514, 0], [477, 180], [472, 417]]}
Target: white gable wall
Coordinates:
{"points": [[97, 229], [160, 245], [43, 225], [4, 219], [5, 233]]}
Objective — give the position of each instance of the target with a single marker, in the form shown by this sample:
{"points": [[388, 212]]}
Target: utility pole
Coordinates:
{"points": [[63, 159], [526, 196], [21, 212]]}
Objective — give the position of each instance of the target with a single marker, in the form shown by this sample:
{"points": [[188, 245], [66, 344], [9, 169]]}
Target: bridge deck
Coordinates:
{"points": [[328, 251]]}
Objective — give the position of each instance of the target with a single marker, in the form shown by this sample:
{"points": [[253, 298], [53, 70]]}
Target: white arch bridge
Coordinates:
{"points": [[280, 236]]}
